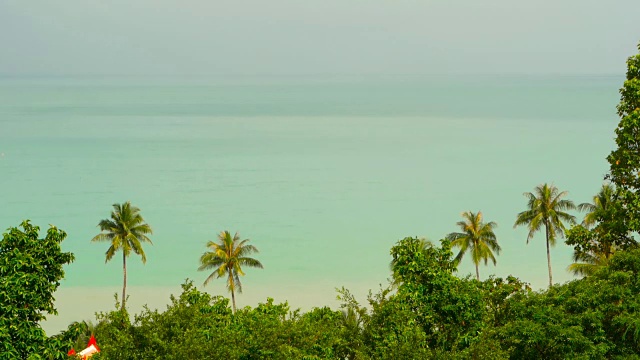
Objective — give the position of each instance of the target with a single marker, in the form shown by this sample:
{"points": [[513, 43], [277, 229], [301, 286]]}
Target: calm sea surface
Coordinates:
{"points": [[323, 175]]}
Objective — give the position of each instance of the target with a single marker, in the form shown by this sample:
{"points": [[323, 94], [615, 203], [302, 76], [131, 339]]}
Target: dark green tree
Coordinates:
{"points": [[477, 237], [196, 325], [448, 310], [227, 258], [30, 272], [546, 208], [591, 318], [126, 230], [624, 161]]}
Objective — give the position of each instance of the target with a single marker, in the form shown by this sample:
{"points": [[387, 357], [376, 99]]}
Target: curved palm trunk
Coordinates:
{"points": [[124, 286], [549, 256], [232, 287]]}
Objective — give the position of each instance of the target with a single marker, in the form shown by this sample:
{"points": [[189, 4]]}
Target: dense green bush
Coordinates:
{"points": [[30, 272]]}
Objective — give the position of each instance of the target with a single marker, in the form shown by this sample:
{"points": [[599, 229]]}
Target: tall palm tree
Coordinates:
{"points": [[601, 203], [546, 207], [477, 237], [226, 258], [126, 230]]}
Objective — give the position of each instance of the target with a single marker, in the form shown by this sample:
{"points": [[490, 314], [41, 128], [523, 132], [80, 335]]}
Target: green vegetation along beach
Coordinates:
{"points": [[324, 181]]}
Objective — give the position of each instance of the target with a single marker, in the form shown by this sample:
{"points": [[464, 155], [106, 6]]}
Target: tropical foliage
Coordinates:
{"points": [[126, 230], [546, 208], [31, 269], [227, 258], [602, 202], [432, 314], [603, 232], [624, 161], [477, 237]]}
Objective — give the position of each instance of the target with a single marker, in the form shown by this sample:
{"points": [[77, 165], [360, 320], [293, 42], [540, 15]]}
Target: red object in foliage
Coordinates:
{"points": [[71, 352], [92, 341]]}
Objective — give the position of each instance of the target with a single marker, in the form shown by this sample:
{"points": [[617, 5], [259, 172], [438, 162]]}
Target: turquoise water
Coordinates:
{"points": [[323, 175]]}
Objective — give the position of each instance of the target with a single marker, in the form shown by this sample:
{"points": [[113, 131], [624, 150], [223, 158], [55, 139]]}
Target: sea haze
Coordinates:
{"points": [[323, 175]]}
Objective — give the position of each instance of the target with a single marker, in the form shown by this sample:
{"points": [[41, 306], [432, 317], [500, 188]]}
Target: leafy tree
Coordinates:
{"points": [[227, 258], [476, 237], [198, 325], [126, 230], [30, 273], [591, 318], [625, 160], [115, 334], [546, 207], [183, 330], [393, 332], [424, 243], [448, 310], [541, 326]]}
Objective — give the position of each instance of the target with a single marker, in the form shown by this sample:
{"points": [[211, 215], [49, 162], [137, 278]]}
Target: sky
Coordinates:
{"points": [[307, 37]]}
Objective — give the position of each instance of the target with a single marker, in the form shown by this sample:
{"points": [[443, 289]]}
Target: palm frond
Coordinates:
{"points": [[250, 262], [583, 269], [111, 251], [246, 250], [209, 260], [103, 237], [237, 283], [455, 236], [107, 225], [564, 205], [535, 224], [586, 207], [210, 277]]}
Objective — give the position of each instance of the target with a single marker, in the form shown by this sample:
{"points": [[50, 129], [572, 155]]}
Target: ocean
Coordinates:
{"points": [[323, 174]]}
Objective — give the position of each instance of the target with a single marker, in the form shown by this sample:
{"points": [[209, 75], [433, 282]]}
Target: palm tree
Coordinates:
{"points": [[126, 230], [477, 237], [546, 208], [586, 262], [227, 258], [601, 203]]}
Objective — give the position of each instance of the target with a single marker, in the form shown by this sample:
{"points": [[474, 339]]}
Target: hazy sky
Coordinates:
{"points": [[316, 37]]}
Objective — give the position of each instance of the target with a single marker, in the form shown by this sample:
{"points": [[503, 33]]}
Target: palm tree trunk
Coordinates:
{"points": [[477, 273], [232, 288], [549, 256], [233, 300], [124, 284]]}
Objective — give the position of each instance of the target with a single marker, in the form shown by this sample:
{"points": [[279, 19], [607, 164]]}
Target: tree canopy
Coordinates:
{"points": [[31, 269]]}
